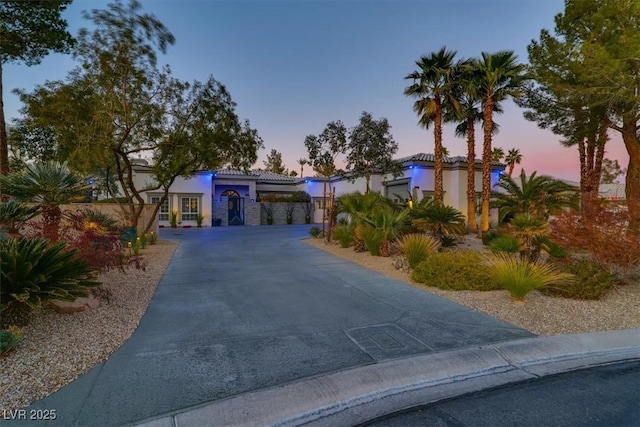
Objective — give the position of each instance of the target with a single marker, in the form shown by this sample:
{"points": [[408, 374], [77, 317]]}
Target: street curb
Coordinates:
{"points": [[357, 395]]}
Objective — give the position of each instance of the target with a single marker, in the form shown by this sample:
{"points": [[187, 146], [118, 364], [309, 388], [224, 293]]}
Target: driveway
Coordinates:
{"points": [[244, 308]]}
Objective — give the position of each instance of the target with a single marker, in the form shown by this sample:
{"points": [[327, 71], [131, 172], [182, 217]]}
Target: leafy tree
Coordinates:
{"points": [[500, 77], [28, 31], [50, 185], [611, 171], [599, 43], [371, 149], [497, 153], [274, 162], [539, 196], [433, 86], [513, 158], [118, 104], [324, 148]]}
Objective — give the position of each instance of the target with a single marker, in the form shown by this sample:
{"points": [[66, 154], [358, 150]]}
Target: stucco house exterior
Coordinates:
{"points": [[233, 197]]}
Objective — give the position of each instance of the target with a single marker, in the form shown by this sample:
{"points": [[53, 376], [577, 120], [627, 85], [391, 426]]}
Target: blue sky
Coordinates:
{"points": [[293, 66]]}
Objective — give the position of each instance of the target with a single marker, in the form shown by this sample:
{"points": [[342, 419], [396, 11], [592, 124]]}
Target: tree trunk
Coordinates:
{"points": [[51, 222], [4, 149], [437, 130], [632, 185], [472, 225], [487, 116]]}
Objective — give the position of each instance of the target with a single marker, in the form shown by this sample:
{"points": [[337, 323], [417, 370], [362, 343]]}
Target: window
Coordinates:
{"points": [[163, 213], [189, 208], [229, 193]]}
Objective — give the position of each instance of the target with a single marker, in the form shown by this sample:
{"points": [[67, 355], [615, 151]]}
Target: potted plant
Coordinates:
{"points": [[199, 220], [268, 210], [216, 222], [173, 219], [289, 209]]}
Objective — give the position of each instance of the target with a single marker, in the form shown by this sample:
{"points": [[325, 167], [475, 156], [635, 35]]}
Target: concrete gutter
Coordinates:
{"points": [[360, 394]]}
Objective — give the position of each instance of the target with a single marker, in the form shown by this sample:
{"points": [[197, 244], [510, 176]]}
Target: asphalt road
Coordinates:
{"points": [[604, 396]]}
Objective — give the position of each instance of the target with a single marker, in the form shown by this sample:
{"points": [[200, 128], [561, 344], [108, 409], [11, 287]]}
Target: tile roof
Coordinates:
{"points": [[428, 157], [260, 175]]}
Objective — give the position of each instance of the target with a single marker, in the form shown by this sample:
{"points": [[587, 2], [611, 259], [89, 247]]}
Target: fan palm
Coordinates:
{"points": [[501, 77], [358, 206], [388, 224], [302, 162], [497, 153], [513, 158], [469, 97], [433, 86], [539, 196], [49, 184]]}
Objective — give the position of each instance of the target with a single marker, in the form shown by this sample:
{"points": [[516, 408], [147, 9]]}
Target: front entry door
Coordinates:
{"points": [[236, 211]]}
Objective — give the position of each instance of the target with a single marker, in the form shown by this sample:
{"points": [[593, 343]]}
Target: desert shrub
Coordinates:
{"points": [[10, 338], [604, 235], [96, 237], [152, 238], [31, 272], [458, 271], [592, 281], [417, 247], [520, 276], [489, 236], [555, 250], [372, 239], [344, 235], [448, 241], [505, 243], [315, 231]]}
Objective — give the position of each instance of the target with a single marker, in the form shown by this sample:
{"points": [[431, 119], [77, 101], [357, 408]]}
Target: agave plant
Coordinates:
{"points": [[14, 214], [31, 272], [520, 276], [49, 184], [417, 247]]}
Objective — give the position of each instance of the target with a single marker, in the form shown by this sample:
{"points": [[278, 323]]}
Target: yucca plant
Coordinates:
{"points": [[520, 276], [372, 239], [343, 233], [417, 247], [32, 271]]}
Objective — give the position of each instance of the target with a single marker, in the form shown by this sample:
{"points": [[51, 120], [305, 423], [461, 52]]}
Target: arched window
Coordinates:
{"points": [[229, 193]]}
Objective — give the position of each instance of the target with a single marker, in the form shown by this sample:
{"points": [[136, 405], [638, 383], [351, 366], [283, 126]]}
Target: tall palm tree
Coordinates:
{"points": [[432, 87], [497, 153], [470, 101], [49, 184], [302, 162], [513, 158], [501, 77]]}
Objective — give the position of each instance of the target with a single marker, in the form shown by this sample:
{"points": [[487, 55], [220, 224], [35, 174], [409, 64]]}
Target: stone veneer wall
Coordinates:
{"points": [[255, 215]]}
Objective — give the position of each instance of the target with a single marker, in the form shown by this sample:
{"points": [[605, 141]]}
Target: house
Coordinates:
{"points": [[234, 196]]}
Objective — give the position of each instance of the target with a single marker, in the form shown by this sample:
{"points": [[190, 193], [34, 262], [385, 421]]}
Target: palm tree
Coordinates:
{"points": [[440, 220], [433, 85], [49, 184], [302, 162], [513, 158], [388, 223], [538, 196], [13, 215], [497, 154], [359, 207], [501, 77]]}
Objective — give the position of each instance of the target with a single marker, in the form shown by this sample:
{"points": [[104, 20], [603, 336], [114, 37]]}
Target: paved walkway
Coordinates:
{"points": [[243, 309]]}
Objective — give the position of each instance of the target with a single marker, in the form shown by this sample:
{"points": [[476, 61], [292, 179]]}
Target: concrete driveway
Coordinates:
{"points": [[245, 308]]}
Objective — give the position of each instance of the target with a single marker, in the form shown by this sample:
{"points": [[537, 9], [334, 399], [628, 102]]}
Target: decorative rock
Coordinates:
{"points": [[80, 304]]}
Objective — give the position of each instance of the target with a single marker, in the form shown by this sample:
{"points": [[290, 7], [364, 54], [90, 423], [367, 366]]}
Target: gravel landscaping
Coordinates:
{"points": [[58, 348], [540, 314]]}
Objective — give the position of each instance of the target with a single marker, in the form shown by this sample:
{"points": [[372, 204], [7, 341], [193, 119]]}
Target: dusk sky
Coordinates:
{"points": [[294, 66]]}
